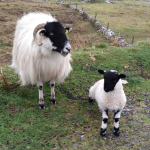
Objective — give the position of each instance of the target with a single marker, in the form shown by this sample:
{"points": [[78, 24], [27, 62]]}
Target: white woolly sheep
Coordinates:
{"points": [[41, 52], [109, 95]]}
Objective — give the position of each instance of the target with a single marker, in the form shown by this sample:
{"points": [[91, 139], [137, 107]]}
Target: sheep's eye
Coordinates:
{"points": [[51, 33], [114, 81]]}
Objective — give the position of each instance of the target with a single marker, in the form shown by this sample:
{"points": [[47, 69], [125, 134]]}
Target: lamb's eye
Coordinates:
{"points": [[51, 33]]}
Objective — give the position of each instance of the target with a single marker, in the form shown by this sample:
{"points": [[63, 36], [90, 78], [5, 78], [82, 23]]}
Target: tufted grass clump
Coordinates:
{"points": [[101, 45]]}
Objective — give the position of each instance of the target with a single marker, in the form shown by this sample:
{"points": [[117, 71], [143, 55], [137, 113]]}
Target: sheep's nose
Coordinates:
{"points": [[68, 49]]}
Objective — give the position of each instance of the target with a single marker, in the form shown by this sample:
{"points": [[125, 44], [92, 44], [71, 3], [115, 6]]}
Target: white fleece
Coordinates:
{"points": [[36, 63], [113, 100]]}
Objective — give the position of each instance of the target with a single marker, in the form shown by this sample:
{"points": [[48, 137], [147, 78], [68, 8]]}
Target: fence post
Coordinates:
{"points": [[132, 40], [107, 25], [95, 15]]}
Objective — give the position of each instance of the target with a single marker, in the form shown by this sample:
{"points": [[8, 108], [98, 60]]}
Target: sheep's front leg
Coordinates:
{"points": [[52, 85], [116, 122], [104, 122], [41, 99]]}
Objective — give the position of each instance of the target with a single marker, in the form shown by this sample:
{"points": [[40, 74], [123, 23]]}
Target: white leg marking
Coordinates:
{"points": [[117, 116], [104, 122], [41, 98], [116, 122], [52, 85], [104, 116]]}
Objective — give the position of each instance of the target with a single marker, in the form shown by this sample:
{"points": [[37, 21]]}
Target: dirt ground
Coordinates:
{"points": [[83, 33]]}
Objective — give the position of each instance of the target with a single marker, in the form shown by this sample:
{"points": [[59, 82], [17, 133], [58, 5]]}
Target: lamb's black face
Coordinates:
{"points": [[110, 79], [56, 33]]}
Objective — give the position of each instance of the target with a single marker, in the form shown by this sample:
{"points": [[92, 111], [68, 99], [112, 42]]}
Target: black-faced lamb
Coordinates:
{"points": [[41, 52], [109, 94]]}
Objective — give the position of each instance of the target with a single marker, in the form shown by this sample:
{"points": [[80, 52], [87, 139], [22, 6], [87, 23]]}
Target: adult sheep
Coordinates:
{"points": [[109, 95], [41, 52]]}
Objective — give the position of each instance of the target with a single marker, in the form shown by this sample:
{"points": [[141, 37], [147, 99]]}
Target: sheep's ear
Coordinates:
{"points": [[122, 75], [101, 71], [68, 30]]}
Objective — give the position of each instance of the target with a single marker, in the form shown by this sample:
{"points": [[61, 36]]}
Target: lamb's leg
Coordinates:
{"points": [[52, 85], [91, 100], [116, 122], [104, 122], [41, 99]]}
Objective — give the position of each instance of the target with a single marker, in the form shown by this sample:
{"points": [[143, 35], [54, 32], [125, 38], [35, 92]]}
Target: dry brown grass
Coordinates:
{"points": [[125, 17], [4, 80]]}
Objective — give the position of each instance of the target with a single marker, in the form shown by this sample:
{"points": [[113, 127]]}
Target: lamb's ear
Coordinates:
{"points": [[122, 75], [67, 29], [101, 71]]}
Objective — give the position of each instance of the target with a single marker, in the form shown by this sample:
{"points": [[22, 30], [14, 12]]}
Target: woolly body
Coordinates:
{"points": [[36, 63], [113, 100]]}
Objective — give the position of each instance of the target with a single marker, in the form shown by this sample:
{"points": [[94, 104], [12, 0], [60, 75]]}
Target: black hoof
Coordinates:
{"points": [[42, 106], [117, 133], [91, 100], [103, 132], [53, 100]]}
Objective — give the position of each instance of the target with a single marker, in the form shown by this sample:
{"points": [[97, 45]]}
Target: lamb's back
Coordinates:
{"points": [[112, 100]]}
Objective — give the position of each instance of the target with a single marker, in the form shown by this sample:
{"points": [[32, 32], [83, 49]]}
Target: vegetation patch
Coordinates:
{"points": [[73, 122], [122, 17]]}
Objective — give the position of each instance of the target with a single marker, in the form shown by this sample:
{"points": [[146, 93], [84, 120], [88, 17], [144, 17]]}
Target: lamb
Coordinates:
{"points": [[109, 95], [41, 52]]}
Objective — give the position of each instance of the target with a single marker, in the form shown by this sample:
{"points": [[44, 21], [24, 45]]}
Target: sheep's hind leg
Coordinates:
{"points": [[116, 122], [104, 122], [41, 99], [52, 85]]}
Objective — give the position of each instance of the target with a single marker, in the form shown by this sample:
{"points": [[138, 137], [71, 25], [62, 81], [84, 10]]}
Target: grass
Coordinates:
{"points": [[74, 123], [122, 18]]}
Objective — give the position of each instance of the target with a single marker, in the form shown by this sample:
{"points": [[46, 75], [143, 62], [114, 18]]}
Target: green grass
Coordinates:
{"points": [[73, 122]]}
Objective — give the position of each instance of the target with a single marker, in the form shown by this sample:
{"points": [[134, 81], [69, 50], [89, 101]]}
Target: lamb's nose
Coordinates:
{"points": [[106, 89]]}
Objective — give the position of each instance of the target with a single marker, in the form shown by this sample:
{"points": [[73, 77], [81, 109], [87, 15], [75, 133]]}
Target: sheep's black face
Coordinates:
{"points": [[110, 79], [56, 33]]}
